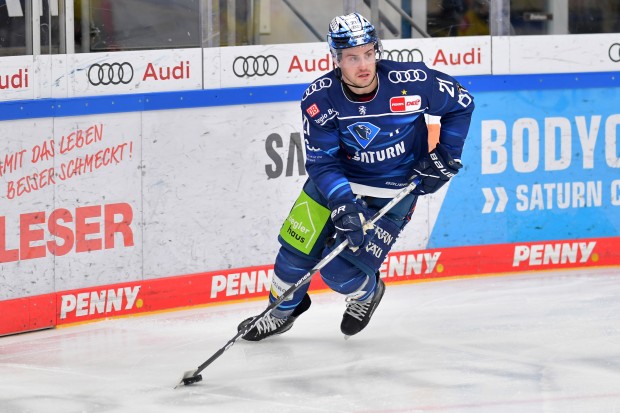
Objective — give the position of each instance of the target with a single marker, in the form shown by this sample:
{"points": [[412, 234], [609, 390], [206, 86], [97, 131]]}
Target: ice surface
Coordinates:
{"points": [[547, 342]]}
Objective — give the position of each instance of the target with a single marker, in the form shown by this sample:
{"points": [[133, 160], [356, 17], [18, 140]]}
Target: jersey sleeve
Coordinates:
{"points": [[455, 105], [321, 137]]}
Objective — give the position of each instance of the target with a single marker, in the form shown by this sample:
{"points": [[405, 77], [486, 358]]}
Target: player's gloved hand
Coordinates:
{"points": [[434, 170], [349, 221]]}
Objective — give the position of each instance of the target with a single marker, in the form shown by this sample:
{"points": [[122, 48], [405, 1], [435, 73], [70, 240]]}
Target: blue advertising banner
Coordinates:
{"points": [[538, 165]]}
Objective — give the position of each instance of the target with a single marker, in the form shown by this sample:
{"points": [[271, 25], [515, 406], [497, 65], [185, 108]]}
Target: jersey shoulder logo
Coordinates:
{"points": [[322, 83], [363, 132], [313, 110]]}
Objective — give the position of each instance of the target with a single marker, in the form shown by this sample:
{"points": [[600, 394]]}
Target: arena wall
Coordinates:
{"points": [[141, 181]]}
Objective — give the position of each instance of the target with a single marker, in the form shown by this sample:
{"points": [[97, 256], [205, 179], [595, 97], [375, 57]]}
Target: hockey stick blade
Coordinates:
{"points": [[189, 377], [193, 376]]}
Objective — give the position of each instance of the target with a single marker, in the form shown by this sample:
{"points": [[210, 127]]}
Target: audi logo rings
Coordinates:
{"points": [[404, 55], [255, 66], [614, 52], [316, 86], [110, 73], [413, 75]]}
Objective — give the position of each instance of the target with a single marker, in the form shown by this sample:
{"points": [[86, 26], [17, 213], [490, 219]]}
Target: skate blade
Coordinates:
{"points": [[346, 337], [189, 377]]}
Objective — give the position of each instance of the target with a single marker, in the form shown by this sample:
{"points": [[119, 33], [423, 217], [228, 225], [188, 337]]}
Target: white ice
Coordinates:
{"points": [[545, 342]]}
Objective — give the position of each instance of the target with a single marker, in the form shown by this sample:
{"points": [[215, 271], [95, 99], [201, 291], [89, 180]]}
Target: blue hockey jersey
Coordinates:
{"points": [[372, 146]]}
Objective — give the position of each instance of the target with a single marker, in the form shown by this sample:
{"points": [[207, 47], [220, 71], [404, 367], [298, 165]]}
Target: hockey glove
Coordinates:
{"points": [[434, 170], [349, 221]]}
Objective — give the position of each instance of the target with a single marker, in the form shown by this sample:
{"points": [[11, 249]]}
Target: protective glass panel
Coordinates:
{"points": [[594, 16], [529, 17], [295, 21], [13, 39], [458, 18], [52, 27], [108, 25]]}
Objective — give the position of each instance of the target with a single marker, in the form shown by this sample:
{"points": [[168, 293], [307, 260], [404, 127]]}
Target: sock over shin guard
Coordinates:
{"points": [[288, 269]]}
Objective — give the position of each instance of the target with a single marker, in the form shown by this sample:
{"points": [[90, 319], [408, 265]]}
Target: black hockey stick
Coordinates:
{"points": [[194, 376]]}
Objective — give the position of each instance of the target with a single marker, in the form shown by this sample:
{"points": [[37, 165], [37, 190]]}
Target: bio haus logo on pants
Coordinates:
{"points": [[304, 223]]}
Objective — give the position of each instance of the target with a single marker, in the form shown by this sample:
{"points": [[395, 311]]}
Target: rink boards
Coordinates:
{"points": [[147, 296], [168, 189]]}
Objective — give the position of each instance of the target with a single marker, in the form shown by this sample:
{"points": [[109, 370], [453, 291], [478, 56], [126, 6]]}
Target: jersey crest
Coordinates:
{"points": [[363, 132]]}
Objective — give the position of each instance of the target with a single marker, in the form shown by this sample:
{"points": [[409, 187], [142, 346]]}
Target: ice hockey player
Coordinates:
{"points": [[366, 137]]}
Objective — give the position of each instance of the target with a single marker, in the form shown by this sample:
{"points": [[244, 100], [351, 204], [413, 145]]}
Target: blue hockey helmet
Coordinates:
{"points": [[351, 30]]}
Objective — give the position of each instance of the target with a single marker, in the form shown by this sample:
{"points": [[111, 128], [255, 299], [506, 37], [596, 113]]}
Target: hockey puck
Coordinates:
{"points": [[191, 380]]}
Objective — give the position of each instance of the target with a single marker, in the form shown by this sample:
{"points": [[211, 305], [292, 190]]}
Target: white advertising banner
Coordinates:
{"points": [[302, 63], [17, 77], [219, 182], [457, 56], [71, 203], [92, 74], [99, 176], [122, 197], [564, 53], [23, 168], [51, 76]]}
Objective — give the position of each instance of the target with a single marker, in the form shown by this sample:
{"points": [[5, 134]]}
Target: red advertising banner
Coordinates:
{"points": [[75, 306]]}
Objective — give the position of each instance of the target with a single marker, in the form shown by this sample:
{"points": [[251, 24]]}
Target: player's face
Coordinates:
{"points": [[359, 67]]}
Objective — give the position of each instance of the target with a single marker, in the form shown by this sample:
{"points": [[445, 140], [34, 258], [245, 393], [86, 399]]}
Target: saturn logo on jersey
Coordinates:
{"points": [[405, 103], [363, 132]]}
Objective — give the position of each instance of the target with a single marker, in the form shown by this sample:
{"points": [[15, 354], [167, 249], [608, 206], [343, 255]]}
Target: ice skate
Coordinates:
{"points": [[270, 325], [358, 313]]}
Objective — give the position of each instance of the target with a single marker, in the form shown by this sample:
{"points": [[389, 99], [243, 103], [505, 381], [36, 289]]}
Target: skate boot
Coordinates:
{"points": [[358, 313], [269, 325]]}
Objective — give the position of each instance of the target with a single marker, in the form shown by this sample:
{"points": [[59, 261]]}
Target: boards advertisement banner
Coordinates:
{"points": [[302, 63], [548, 168], [128, 209]]}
